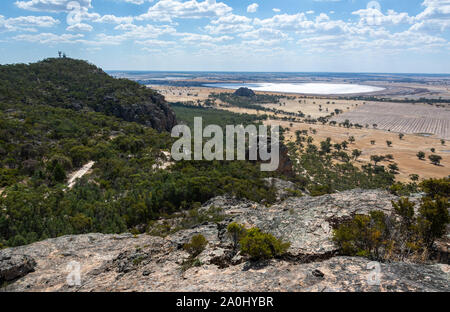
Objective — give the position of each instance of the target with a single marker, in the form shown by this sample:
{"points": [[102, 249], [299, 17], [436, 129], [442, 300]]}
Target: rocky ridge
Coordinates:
{"points": [[150, 263], [78, 85], [245, 92]]}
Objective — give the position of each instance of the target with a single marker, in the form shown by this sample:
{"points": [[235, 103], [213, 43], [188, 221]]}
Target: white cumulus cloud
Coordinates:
{"points": [[51, 5], [252, 8], [166, 10]]}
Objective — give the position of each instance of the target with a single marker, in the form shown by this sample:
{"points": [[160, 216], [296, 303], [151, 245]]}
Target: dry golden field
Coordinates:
{"points": [[404, 151], [398, 117]]}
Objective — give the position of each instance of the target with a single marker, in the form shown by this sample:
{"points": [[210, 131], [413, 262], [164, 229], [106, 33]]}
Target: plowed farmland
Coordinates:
{"points": [[402, 118]]}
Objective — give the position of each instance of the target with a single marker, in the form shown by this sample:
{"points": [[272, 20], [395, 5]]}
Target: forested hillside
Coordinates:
{"points": [[78, 85], [59, 115], [54, 120]]}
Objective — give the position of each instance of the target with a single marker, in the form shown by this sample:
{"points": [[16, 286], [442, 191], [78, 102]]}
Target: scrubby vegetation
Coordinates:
{"points": [[254, 243], [405, 235], [326, 168], [195, 247], [246, 102], [211, 116], [236, 232], [185, 219]]}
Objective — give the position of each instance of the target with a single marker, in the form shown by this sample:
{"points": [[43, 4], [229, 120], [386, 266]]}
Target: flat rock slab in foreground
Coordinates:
{"points": [[148, 263]]}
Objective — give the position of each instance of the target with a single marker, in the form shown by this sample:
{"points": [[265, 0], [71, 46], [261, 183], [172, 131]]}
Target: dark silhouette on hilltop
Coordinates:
{"points": [[245, 92]]}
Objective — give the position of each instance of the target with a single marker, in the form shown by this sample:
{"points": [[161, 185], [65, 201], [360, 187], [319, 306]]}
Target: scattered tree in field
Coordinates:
{"points": [[389, 157], [372, 142], [435, 159], [356, 153], [344, 156], [401, 136], [421, 155], [347, 123], [325, 146], [433, 150], [376, 159], [414, 177], [443, 142], [344, 145], [389, 143], [393, 168], [351, 139]]}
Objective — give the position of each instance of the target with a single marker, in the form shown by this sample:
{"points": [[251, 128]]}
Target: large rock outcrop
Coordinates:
{"points": [[153, 111], [245, 92], [149, 263], [13, 266]]}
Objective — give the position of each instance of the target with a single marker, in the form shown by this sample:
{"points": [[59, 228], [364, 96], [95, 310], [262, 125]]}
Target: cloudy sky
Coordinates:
{"points": [[232, 35]]}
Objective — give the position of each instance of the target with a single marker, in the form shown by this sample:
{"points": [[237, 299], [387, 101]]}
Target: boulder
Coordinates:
{"points": [[15, 266]]}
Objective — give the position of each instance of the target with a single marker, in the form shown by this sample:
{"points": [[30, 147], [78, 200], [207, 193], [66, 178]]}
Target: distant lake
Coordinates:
{"points": [[304, 88]]}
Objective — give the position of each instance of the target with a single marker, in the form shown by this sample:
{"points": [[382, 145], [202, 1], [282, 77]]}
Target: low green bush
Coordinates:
{"points": [[236, 232], [196, 245], [436, 187], [364, 236], [433, 219], [403, 236], [259, 245], [190, 263], [403, 189]]}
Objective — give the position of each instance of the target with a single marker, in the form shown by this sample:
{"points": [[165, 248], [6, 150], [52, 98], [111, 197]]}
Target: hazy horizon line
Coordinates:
{"points": [[273, 72]]}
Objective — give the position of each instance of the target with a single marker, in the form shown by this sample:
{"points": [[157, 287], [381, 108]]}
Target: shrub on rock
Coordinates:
{"points": [[236, 232], [259, 245], [405, 236], [196, 246], [364, 236]]}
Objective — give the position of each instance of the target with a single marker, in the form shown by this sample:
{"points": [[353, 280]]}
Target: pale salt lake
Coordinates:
{"points": [[303, 88]]}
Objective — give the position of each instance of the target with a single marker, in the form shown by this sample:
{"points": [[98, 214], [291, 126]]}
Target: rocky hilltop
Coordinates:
{"points": [[149, 263], [78, 85], [245, 92]]}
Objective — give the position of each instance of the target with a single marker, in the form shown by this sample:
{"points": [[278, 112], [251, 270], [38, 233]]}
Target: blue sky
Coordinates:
{"points": [[407, 36]]}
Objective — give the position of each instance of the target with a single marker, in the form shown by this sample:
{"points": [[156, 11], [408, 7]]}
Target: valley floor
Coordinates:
{"points": [[404, 151]]}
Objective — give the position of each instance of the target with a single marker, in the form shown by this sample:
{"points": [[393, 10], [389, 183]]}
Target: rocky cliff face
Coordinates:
{"points": [[148, 263], [154, 111]]}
